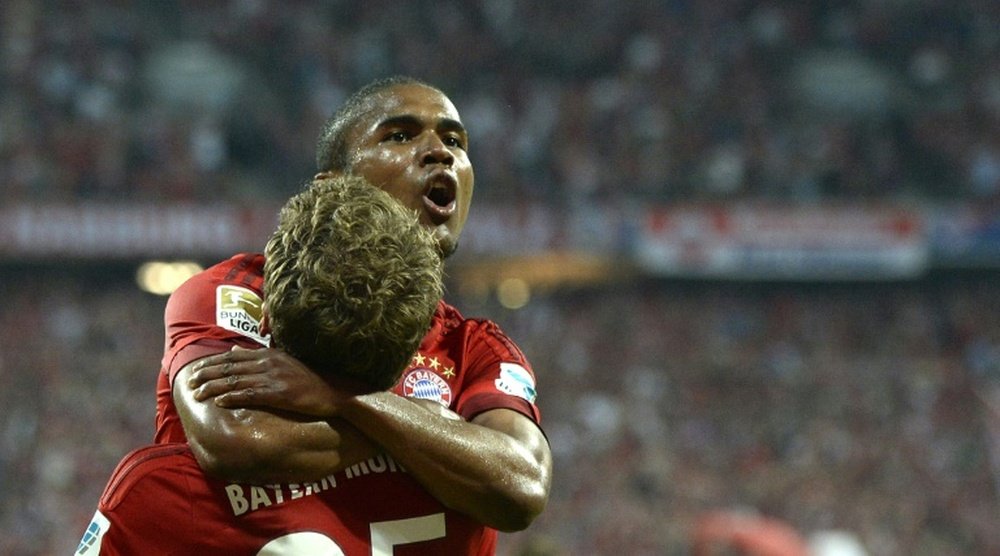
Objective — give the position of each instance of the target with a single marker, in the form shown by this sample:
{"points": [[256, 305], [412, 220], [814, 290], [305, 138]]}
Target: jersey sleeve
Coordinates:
{"points": [[209, 314], [497, 374]]}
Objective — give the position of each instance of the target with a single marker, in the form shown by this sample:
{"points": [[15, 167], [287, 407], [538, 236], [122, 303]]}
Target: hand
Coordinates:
{"points": [[262, 378]]}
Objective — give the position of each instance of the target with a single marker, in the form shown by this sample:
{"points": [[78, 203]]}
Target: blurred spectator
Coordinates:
{"points": [[745, 533], [795, 102], [852, 407], [863, 408]]}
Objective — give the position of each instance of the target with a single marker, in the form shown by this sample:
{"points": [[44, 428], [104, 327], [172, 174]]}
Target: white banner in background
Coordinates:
{"points": [[794, 243], [115, 231]]}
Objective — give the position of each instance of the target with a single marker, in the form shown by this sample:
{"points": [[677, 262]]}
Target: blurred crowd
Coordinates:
{"points": [[568, 102], [859, 408], [78, 364], [865, 408]]}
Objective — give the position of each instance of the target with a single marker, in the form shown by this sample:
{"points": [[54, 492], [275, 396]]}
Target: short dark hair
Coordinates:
{"points": [[331, 149], [351, 281]]}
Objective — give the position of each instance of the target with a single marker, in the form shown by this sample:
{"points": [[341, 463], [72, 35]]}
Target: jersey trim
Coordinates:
{"points": [[137, 462]]}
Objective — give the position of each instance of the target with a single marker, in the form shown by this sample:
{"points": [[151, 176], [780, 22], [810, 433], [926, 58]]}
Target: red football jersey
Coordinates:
{"points": [[469, 365], [158, 501]]}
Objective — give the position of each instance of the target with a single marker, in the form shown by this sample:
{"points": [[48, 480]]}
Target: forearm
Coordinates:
{"points": [[260, 446], [495, 477]]}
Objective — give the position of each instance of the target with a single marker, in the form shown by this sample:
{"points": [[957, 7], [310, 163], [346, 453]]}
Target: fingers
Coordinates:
{"points": [[229, 390], [215, 379], [236, 354], [237, 398], [215, 388], [241, 362]]}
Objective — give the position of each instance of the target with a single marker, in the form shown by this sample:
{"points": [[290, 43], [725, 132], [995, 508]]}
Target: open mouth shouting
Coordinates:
{"points": [[440, 192]]}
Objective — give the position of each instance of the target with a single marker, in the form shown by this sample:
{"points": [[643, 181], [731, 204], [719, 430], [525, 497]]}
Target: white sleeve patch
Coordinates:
{"points": [[516, 381], [242, 311], [90, 544]]}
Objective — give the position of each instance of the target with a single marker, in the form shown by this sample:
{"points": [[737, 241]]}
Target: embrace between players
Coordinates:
{"points": [[322, 398]]}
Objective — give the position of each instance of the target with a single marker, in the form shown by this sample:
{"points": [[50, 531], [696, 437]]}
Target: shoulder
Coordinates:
{"points": [[447, 316], [147, 472], [481, 341], [242, 272], [450, 321], [480, 336], [243, 269]]}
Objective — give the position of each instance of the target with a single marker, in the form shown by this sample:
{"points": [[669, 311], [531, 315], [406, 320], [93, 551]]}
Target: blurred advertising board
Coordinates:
{"points": [[965, 236], [766, 242], [107, 231], [783, 242]]}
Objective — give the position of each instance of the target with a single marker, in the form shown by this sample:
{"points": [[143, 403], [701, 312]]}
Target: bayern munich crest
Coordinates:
{"points": [[425, 384]]}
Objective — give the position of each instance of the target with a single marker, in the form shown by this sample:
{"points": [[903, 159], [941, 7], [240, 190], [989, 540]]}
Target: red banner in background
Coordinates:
{"points": [[795, 243]]}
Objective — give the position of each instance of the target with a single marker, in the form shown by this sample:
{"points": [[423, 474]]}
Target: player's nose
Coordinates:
{"points": [[434, 151]]}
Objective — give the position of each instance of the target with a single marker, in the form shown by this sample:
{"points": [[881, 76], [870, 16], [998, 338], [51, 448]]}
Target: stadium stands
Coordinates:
{"points": [[863, 407]]}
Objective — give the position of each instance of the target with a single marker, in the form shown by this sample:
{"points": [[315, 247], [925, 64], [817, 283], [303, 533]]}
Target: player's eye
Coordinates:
{"points": [[454, 141], [398, 136]]}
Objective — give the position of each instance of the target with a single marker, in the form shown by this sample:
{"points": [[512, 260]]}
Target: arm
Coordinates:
{"points": [[496, 468], [256, 444], [262, 445]]}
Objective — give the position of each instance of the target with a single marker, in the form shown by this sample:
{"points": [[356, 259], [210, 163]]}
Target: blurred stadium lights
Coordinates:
{"points": [[514, 279], [513, 293], [162, 277]]}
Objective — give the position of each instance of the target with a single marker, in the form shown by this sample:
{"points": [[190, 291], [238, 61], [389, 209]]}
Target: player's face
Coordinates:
{"points": [[412, 144]]}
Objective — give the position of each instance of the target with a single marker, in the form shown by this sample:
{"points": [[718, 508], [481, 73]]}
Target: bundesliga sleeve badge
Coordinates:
{"points": [[516, 381], [242, 311]]}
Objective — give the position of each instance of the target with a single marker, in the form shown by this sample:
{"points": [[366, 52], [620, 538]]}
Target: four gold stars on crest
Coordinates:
{"points": [[419, 360]]}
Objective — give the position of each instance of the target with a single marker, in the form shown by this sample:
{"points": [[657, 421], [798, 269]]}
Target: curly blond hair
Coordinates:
{"points": [[351, 281]]}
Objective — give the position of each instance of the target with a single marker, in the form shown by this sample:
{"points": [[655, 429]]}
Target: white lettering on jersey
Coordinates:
{"points": [[305, 542], [248, 498], [385, 535], [377, 464]]}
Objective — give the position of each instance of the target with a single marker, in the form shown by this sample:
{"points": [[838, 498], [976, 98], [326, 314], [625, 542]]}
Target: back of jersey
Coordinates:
{"points": [[158, 501]]}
